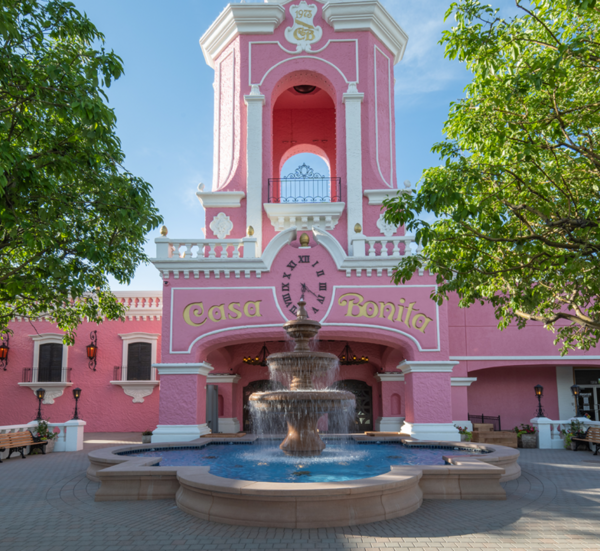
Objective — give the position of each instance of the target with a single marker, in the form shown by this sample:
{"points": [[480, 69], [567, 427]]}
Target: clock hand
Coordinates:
{"points": [[305, 288]]}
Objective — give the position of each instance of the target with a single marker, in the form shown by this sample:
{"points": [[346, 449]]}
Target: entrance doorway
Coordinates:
{"points": [[588, 381], [363, 421]]}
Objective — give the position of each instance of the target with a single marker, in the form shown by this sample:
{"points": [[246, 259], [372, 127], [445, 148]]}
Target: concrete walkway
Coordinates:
{"points": [[47, 504]]}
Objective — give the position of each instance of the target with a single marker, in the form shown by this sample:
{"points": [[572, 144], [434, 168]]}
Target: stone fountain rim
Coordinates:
{"points": [[305, 395]]}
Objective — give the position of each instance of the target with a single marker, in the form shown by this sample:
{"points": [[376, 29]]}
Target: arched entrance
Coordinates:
{"points": [[257, 386], [363, 421]]}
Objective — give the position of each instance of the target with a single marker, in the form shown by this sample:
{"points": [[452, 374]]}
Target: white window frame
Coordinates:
{"points": [[48, 338], [131, 338]]}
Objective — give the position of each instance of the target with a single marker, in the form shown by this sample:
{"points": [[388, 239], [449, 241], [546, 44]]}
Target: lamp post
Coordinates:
{"points": [[92, 350], [576, 392], [40, 393], [539, 392], [76, 395], [4, 348]]}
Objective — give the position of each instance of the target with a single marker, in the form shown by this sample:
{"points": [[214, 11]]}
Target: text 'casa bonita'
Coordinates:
{"points": [[219, 312]]}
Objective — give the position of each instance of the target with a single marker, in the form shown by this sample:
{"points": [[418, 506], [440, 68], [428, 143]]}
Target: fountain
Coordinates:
{"points": [[303, 404]]}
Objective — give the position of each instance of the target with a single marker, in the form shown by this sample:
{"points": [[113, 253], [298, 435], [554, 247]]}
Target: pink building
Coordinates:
{"points": [[295, 77]]}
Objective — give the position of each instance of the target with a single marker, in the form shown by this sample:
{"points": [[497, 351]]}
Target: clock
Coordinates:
{"points": [[304, 279]]}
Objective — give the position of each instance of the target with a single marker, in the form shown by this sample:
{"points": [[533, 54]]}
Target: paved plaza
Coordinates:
{"points": [[47, 504]]}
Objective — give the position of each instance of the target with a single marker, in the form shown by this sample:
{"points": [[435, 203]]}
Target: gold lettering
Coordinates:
{"points": [[255, 305], [213, 310], [400, 309], [234, 307], [417, 319], [408, 314], [196, 309], [365, 310], [348, 299], [388, 305]]}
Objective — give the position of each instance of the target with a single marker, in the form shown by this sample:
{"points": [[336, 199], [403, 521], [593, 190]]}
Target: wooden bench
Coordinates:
{"points": [[18, 441], [592, 436]]}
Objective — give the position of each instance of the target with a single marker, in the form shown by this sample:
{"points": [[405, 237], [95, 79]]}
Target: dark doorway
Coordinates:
{"points": [[256, 386], [363, 421]]}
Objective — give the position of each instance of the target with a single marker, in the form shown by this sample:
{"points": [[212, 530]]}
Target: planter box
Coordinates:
{"points": [[528, 441], [147, 439]]}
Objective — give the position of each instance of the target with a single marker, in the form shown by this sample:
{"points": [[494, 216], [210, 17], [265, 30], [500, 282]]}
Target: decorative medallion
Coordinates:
{"points": [[386, 228], [221, 225], [303, 33]]}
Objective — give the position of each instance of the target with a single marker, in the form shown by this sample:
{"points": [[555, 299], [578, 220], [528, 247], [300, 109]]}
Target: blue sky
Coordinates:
{"points": [[164, 102]]}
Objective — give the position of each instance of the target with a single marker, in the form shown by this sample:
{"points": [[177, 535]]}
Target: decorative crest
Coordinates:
{"points": [[303, 33], [304, 172]]}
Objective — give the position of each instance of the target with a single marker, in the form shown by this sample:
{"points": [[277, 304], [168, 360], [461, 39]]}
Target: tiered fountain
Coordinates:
{"points": [[303, 404]]}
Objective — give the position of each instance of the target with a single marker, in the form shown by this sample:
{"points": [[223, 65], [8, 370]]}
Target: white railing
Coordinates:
{"points": [[196, 249], [549, 437], [141, 304], [69, 439], [378, 246]]}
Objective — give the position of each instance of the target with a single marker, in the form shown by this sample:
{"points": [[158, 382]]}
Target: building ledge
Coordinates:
{"points": [[220, 199], [304, 216], [378, 196], [53, 390], [138, 390]]}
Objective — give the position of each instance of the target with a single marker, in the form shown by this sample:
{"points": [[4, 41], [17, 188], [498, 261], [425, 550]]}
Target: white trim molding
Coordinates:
{"points": [[220, 378], [367, 15], [568, 358], [39, 340], [426, 367], [442, 432], [304, 216], [130, 338], [53, 390], [141, 305], [203, 368], [389, 424], [138, 390], [178, 433], [463, 381], [220, 199], [390, 377], [229, 425], [378, 196], [238, 19]]}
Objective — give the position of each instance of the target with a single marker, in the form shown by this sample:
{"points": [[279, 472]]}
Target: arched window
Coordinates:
{"points": [[139, 361]]}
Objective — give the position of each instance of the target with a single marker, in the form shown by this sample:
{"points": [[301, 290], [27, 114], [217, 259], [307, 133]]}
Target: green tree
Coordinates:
{"points": [[516, 200], [70, 214]]}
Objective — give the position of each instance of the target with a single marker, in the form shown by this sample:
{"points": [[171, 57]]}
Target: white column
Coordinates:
{"points": [[566, 401], [353, 101], [254, 163]]}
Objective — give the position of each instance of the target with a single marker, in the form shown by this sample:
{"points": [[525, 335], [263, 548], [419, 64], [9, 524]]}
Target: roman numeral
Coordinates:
{"points": [[315, 310], [292, 265], [293, 310], [285, 287], [304, 259], [287, 299], [321, 299], [288, 276], [320, 273], [322, 286], [315, 263]]}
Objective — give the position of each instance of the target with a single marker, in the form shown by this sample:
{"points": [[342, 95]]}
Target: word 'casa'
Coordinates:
{"points": [[402, 313], [194, 313]]}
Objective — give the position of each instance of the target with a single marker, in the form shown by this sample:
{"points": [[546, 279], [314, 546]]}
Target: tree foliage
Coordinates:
{"points": [[516, 199], [70, 214]]}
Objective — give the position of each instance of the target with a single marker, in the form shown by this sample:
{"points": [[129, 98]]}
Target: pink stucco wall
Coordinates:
{"points": [[428, 398]]}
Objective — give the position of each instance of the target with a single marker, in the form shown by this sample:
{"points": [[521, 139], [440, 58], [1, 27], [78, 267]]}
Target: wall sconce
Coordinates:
{"points": [[4, 348], [92, 350], [539, 392], [76, 395], [40, 393]]}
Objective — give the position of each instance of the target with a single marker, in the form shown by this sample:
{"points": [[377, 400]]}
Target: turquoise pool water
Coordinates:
{"points": [[265, 462]]}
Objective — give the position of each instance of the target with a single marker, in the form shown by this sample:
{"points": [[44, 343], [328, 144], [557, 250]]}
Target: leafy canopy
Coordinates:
{"points": [[517, 196], [70, 214]]}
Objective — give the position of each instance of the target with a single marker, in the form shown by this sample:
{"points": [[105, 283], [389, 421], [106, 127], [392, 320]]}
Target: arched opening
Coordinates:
{"points": [[396, 409], [304, 122], [305, 178], [363, 420]]}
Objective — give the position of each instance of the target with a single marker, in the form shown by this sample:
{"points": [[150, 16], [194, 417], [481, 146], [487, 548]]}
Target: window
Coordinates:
{"points": [[139, 361], [50, 363]]}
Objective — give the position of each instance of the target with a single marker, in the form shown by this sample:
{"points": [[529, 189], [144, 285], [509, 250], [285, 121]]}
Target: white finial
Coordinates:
{"points": [[200, 188], [407, 184]]}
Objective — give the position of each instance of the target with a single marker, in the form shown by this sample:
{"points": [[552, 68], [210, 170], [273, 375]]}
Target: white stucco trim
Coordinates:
{"points": [[276, 244], [567, 358], [53, 390], [219, 378], [203, 368], [148, 338], [138, 390], [229, 425], [426, 367], [463, 381], [443, 432], [367, 15], [304, 216], [565, 379], [378, 196], [238, 19], [389, 424], [39, 340], [178, 433], [220, 199], [390, 377], [390, 115]]}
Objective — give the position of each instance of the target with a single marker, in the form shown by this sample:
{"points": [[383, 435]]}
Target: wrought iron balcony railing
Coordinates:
{"points": [[46, 375], [305, 186]]}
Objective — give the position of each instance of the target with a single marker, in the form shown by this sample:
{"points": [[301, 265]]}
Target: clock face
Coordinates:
{"points": [[304, 278]]}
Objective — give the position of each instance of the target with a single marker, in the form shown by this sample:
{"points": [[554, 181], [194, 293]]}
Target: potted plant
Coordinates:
{"points": [[465, 434], [147, 437], [46, 434], [527, 436], [575, 430]]}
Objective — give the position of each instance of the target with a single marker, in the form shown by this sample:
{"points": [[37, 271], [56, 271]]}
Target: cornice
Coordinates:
{"points": [[378, 196], [220, 199], [367, 15], [237, 19]]}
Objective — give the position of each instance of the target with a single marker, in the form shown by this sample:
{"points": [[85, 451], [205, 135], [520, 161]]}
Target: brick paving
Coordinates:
{"points": [[47, 504]]}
